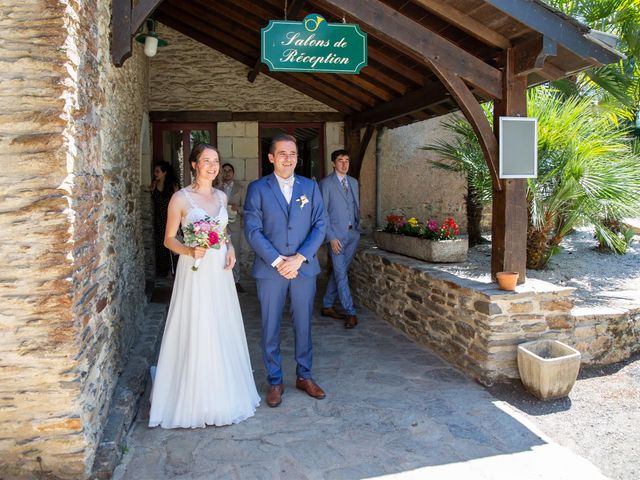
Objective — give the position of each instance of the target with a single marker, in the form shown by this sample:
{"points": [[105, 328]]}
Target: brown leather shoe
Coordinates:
{"points": [[331, 312], [351, 321], [311, 387], [274, 395]]}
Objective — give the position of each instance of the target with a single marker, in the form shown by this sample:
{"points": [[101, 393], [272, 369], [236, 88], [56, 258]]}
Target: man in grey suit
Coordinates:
{"points": [[235, 199], [341, 201]]}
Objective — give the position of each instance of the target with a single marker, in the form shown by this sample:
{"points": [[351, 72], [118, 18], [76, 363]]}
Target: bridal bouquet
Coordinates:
{"points": [[205, 233]]}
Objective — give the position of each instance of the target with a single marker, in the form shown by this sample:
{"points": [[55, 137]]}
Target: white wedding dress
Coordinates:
{"points": [[204, 374]]}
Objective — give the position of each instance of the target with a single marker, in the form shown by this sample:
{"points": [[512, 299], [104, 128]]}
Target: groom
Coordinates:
{"points": [[285, 225]]}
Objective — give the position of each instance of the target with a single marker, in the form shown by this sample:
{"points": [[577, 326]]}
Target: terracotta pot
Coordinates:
{"points": [[507, 280]]}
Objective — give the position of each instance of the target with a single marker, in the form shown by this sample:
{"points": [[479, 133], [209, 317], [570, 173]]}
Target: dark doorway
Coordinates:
{"points": [[173, 142], [310, 137]]}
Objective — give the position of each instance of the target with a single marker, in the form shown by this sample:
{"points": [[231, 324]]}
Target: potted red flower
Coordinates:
{"points": [[429, 241]]}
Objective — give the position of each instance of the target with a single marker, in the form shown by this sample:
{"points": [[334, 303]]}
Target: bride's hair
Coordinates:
{"points": [[196, 151]]}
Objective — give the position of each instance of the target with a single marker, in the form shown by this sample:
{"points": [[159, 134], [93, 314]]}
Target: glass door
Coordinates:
{"points": [[310, 139], [172, 142]]}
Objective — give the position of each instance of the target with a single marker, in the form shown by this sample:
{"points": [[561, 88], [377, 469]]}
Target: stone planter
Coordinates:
{"points": [[441, 251], [548, 368]]}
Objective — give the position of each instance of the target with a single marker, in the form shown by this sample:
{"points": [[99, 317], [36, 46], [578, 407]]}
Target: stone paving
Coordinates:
{"points": [[393, 409]]}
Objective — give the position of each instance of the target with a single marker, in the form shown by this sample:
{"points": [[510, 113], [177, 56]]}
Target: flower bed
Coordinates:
{"points": [[431, 242]]}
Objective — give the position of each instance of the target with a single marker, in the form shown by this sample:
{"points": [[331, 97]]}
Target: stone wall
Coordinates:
{"points": [[409, 184], [188, 75], [477, 327], [72, 275], [604, 335]]}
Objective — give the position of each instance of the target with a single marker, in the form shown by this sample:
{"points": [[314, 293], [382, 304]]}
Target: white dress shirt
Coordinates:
{"points": [[286, 186]]}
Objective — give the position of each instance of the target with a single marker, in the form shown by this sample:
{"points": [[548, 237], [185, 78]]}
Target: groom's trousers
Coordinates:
{"points": [[273, 293]]}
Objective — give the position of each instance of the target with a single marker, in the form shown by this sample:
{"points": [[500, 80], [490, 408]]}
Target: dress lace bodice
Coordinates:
{"points": [[196, 212]]}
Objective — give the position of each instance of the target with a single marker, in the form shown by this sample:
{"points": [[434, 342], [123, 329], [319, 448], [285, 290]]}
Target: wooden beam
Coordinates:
{"points": [[397, 67], [302, 85], [476, 117], [237, 38], [125, 23], [345, 87], [375, 73], [292, 10], [280, 117], [120, 31], [509, 209], [568, 33], [421, 43], [411, 102], [532, 55], [141, 11], [355, 145], [211, 116], [465, 23], [362, 148], [550, 72]]}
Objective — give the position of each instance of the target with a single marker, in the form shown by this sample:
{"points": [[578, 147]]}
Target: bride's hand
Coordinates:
{"points": [[198, 252], [229, 259]]}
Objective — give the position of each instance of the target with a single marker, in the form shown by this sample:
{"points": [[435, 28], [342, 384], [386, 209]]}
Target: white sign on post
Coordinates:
{"points": [[518, 143]]}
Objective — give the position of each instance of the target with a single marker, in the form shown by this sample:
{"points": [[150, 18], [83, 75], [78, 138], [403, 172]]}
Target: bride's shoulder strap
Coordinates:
{"points": [[188, 197], [221, 196]]}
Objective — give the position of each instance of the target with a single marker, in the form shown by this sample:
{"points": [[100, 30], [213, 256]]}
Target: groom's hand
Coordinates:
{"points": [[289, 267]]}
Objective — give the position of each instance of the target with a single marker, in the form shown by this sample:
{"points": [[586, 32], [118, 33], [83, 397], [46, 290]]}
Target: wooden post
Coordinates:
{"points": [[510, 214], [355, 145]]}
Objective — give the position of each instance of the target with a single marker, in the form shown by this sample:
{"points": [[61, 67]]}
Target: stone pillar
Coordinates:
{"points": [[70, 242]]}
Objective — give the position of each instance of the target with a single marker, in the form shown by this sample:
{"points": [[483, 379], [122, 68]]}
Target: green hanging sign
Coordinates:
{"points": [[313, 45]]}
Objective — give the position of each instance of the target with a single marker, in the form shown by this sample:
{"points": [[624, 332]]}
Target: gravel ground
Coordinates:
{"points": [[600, 278], [600, 420]]}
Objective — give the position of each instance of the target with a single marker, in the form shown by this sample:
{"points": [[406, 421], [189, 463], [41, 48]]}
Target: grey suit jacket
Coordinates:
{"points": [[335, 203], [236, 198]]}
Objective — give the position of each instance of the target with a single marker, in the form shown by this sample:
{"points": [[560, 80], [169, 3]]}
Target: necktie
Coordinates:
{"points": [[344, 185], [287, 188]]}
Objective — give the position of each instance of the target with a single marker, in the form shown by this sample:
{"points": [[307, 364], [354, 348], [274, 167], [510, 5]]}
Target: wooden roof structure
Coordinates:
{"points": [[398, 86], [426, 58]]}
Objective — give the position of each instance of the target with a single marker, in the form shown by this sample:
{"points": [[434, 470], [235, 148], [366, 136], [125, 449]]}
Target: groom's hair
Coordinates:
{"points": [[281, 137]]}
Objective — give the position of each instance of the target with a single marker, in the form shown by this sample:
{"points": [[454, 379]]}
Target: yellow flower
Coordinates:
{"points": [[413, 221]]}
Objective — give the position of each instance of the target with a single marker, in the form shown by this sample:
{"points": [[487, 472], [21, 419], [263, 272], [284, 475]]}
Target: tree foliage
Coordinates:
{"points": [[615, 87], [588, 173]]}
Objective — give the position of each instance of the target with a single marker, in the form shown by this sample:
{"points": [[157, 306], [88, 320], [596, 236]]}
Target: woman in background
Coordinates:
{"points": [[164, 185]]}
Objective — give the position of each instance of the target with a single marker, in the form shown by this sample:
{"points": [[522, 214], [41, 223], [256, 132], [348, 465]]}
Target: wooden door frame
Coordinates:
{"points": [[186, 128], [290, 127]]}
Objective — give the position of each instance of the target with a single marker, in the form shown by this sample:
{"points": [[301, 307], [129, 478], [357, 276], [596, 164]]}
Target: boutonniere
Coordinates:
{"points": [[303, 200]]}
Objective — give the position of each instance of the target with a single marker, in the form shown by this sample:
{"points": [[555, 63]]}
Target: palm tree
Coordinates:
{"points": [[588, 173], [616, 87], [464, 155]]}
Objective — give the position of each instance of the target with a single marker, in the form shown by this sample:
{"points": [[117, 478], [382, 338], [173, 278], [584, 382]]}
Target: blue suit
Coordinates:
{"points": [[343, 212], [274, 228]]}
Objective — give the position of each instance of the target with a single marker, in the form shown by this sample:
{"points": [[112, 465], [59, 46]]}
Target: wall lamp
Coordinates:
{"points": [[150, 39]]}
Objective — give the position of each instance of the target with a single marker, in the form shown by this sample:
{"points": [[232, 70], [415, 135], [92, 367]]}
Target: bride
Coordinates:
{"points": [[204, 374]]}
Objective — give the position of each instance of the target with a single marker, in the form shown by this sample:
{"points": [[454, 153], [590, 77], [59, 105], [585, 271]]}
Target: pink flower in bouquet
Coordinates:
{"points": [[205, 233]]}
